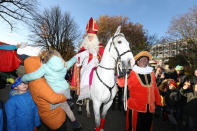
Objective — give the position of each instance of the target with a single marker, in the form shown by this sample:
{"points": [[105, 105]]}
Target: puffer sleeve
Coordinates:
{"points": [[34, 75], [37, 117], [71, 62], [10, 109]]}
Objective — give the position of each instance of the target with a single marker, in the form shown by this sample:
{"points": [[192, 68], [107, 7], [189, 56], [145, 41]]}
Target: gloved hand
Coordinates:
{"points": [[23, 44], [162, 101]]}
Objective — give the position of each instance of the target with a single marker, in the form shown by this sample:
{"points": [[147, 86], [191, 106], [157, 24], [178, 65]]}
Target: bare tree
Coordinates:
{"points": [[185, 26], [134, 33], [53, 29], [17, 10]]}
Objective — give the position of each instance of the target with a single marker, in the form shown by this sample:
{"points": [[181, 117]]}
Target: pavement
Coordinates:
{"points": [[115, 119]]}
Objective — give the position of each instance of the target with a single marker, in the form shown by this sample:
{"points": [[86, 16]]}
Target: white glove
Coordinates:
{"points": [[23, 44]]}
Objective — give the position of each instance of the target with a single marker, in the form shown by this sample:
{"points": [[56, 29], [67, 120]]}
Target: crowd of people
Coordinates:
{"points": [[180, 92], [42, 94], [45, 99]]}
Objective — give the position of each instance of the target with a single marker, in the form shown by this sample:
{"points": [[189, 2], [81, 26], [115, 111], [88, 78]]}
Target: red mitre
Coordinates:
{"points": [[91, 27]]}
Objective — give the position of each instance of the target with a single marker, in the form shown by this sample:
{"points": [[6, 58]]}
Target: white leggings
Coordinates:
{"points": [[68, 111]]}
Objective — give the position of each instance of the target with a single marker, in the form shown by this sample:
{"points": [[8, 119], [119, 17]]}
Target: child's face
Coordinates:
{"points": [[171, 87], [195, 73], [22, 87], [195, 88], [178, 72]]}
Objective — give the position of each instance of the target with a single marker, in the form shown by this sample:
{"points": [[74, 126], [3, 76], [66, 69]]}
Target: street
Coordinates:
{"points": [[115, 120]]}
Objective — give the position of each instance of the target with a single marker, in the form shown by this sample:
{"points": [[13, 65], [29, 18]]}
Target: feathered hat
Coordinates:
{"points": [[143, 53]]}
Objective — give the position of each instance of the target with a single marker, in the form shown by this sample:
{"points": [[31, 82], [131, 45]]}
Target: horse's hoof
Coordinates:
{"points": [[88, 115], [79, 112]]}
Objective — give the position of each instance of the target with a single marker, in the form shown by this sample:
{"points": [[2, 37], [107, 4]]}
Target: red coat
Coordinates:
{"points": [[141, 95]]}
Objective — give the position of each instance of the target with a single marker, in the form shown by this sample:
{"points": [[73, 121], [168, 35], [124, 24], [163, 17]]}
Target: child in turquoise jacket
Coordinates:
{"points": [[54, 70]]}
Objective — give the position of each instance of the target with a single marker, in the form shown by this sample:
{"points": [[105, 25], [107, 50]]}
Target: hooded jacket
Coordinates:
{"points": [[43, 96], [21, 111], [54, 72]]}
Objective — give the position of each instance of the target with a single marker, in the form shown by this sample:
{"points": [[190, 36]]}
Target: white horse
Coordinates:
{"points": [[103, 88]]}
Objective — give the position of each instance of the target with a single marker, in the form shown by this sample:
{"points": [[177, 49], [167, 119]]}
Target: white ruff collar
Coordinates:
{"points": [[140, 70]]}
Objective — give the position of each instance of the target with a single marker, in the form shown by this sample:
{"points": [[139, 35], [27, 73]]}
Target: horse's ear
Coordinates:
{"points": [[117, 30]]}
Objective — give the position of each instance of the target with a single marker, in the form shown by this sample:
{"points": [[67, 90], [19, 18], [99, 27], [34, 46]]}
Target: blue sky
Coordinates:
{"points": [[154, 15]]}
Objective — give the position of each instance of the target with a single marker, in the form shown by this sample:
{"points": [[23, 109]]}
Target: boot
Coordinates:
{"points": [[102, 123], [97, 129]]}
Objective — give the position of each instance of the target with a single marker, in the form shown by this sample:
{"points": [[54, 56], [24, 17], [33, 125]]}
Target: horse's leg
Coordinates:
{"points": [[88, 108], [80, 103], [80, 110], [96, 107], [104, 112]]}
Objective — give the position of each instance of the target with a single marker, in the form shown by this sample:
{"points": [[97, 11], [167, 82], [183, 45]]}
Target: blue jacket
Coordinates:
{"points": [[54, 72], [1, 117], [21, 111], [1, 120], [8, 47]]}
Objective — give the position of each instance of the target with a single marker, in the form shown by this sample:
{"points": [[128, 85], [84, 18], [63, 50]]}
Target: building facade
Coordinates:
{"points": [[164, 51]]}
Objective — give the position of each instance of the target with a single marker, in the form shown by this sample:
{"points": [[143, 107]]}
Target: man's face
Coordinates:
{"points": [[195, 73], [142, 62], [159, 70], [90, 37], [22, 87], [195, 88]]}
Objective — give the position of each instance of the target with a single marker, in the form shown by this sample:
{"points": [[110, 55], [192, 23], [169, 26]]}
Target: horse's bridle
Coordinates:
{"points": [[112, 43], [118, 59]]}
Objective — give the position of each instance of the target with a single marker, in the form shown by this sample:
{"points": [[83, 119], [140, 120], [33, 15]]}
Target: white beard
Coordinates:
{"points": [[92, 45]]}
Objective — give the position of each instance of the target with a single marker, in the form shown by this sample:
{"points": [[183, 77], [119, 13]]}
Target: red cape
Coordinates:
{"points": [[9, 60]]}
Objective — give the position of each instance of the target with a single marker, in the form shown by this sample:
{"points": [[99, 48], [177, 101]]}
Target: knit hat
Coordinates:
{"points": [[17, 82], [179, 68], [173, 84]]}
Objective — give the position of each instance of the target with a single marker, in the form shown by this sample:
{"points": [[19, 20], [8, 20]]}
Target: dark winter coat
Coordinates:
{"points": [[172, 97], [190, 95]]}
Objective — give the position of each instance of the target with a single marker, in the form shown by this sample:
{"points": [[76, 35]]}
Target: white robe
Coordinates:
{"points": [[85, 72]]}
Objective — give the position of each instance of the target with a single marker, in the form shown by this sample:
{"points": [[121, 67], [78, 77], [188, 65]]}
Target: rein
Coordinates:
{"points": [[118, 54], [106, 67], [110, 88], [118, 59]]}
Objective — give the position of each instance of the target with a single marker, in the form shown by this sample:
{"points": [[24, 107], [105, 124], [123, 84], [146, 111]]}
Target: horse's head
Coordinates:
{"points": [[119, 48]]}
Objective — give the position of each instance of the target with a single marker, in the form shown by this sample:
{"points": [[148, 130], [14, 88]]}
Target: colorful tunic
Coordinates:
{"points": [[143, 94]]}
